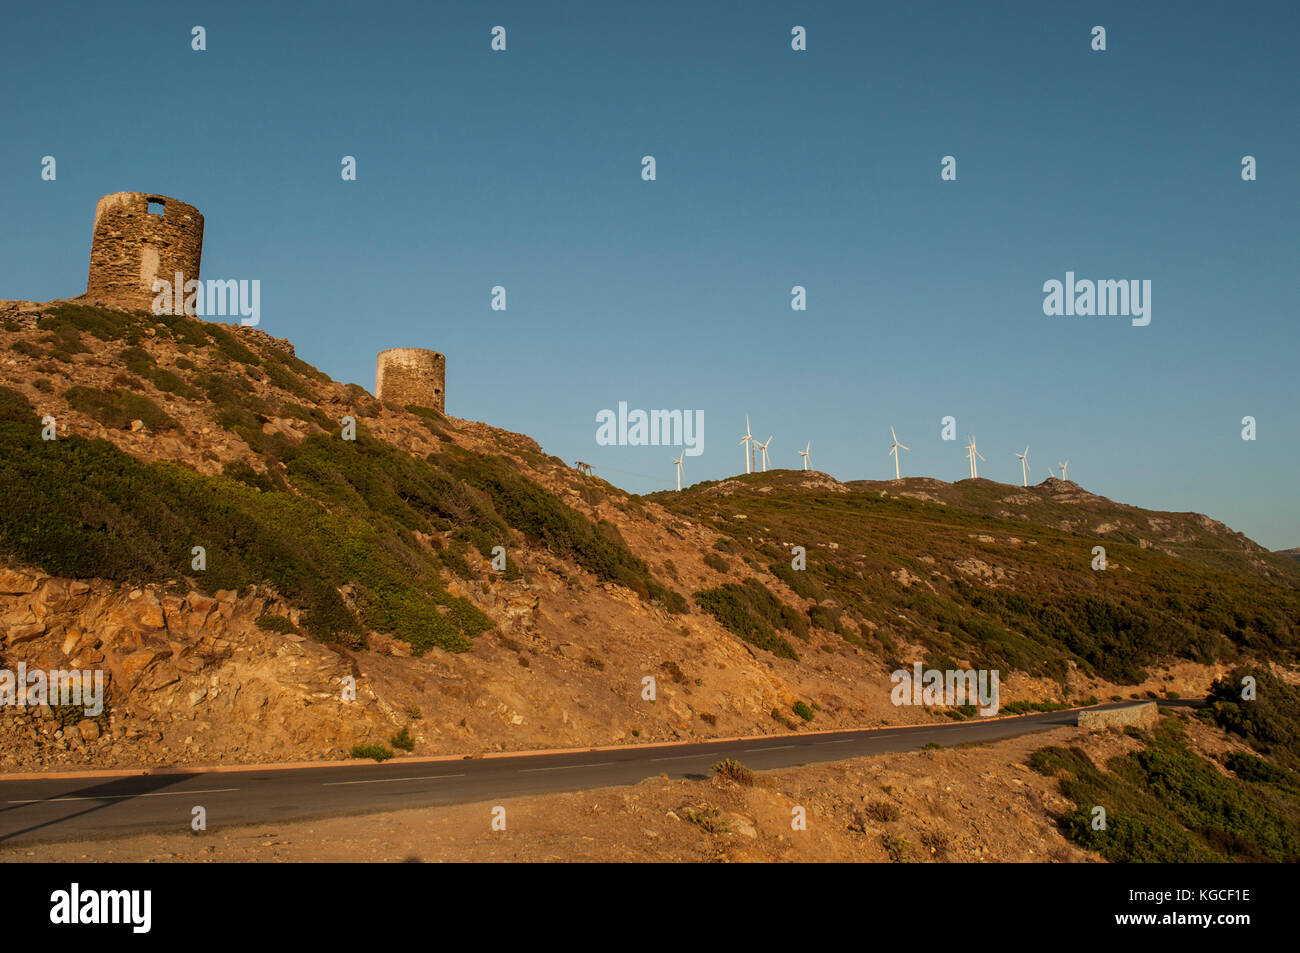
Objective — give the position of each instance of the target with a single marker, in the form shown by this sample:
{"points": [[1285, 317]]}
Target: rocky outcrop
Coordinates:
{"points": [[187, 678]]}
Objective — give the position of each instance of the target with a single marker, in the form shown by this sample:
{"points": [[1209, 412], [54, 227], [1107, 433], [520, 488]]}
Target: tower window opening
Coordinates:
{"points": [[157, 207]]}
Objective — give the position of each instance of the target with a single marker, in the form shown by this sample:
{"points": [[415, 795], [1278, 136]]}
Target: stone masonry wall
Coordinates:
{"points": [[412, 375], [131, 247], [1143, 715]]}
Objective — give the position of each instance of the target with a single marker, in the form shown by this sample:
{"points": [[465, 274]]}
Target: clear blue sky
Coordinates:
{"points": [[775, 168]]}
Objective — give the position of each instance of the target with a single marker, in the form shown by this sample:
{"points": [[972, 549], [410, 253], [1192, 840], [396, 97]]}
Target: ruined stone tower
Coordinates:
{"points": [[139, 237], [412, 375]]}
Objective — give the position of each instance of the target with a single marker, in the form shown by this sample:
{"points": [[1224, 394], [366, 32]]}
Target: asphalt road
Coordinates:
{"points": [[75, 808]]}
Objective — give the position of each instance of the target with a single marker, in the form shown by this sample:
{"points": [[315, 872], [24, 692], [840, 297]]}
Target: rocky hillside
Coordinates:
{"points": [[230, 535]]}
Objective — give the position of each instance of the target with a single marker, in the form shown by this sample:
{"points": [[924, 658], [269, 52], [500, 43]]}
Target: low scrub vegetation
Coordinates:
{"points": [[1165, 803], [83, 508], [750, 611], [117, 408], [376, 751], [735, 771], [1204, 604]]}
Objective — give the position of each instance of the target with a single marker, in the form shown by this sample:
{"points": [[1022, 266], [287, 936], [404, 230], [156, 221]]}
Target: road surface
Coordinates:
{"points": [[75, 808]]}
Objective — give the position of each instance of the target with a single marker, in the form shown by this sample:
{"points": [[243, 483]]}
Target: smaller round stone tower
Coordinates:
{"points": [[139, 237], [412, 375]]}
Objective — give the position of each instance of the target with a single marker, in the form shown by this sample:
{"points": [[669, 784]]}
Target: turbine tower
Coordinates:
{"points": [[893, 451], [677, 462], [1063, 467], [1024, 465], [763, 449], [973, 453], [746, 440], [804, 453]]}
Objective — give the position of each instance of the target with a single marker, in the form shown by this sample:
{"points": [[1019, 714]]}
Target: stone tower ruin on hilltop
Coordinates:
{"points": [[412, 375], [139, 237]]}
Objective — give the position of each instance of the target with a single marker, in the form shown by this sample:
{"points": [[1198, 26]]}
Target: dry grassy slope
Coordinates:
{"points": [[563, 665]]}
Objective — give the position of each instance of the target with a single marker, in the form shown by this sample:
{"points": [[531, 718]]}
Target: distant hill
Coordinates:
{"points": [[999, 575]]}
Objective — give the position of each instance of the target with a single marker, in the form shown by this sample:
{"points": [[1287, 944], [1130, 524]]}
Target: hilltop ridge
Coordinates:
{"points": [[374, 557]]}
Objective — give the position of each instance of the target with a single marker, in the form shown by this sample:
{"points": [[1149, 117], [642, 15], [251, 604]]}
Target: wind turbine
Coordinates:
{"points": [[677, 462], [1063, 467], [804, 454], [893, 451], [1024, 465], [763, 449], [748, 439], [973, 453]]}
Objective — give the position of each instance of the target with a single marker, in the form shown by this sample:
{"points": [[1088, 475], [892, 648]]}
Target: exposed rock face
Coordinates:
{"points": [[174, 667]]}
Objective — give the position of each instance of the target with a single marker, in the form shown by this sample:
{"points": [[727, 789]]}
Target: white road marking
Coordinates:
{"points": [[427, 777], [683, 757], [569, 767], [114, 797], [774, 748]]}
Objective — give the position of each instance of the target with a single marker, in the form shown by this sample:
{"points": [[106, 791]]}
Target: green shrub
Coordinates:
{"points": [[377, 751], [802, 581], [1270, 723], [229, 346], [287, 380], [15, 407], [883, 811], [1020, 708], [83, 508], [734, 770], [116, 409], [403, 739], [716, 563], [709, 818], [803, 711], [898, 849], [750, 610], [27, 348], [1165, 803], [274, 623], [103, 323], [245, 474]]}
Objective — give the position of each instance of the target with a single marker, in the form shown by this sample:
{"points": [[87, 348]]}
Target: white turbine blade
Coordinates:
{"points": [[892, 434], [906, 447]]}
